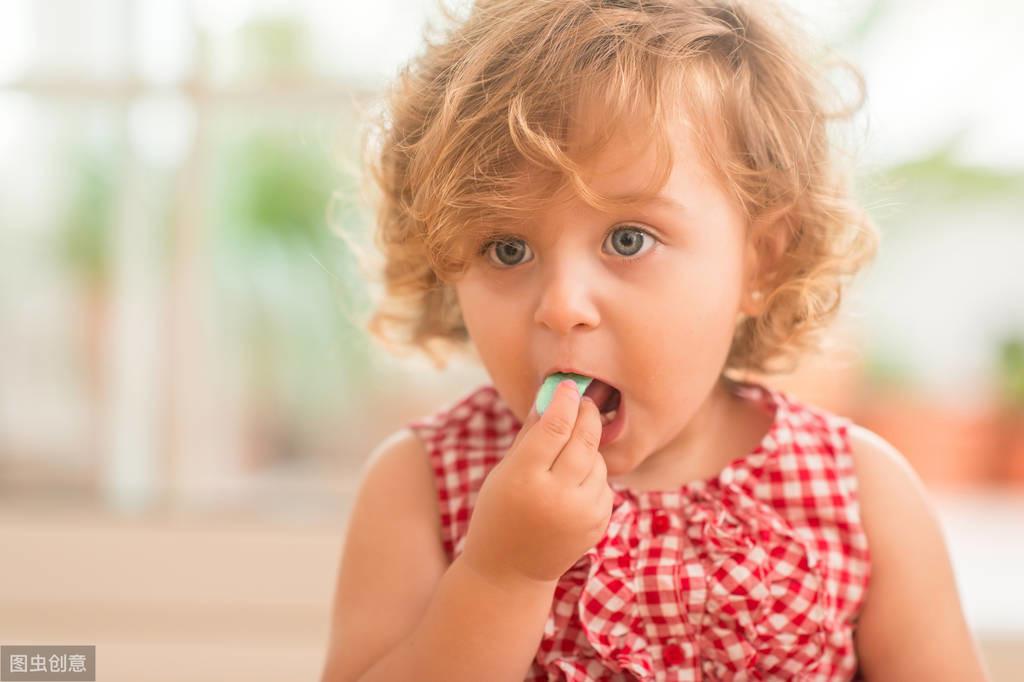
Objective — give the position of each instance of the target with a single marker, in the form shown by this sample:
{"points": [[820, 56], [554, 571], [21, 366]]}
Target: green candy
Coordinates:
{"points": [[547, 389]]}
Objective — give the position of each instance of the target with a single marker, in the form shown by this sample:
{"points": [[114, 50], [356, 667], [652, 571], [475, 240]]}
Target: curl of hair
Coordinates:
{"points": [[483, 127]]}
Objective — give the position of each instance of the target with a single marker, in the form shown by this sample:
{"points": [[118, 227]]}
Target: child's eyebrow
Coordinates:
{"points": [[660, 199]]}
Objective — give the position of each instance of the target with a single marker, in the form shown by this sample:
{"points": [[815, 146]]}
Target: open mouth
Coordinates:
{"points": [[606, 397]]}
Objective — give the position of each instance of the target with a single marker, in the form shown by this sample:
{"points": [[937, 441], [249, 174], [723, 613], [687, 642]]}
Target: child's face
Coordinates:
{"points": [[653, 314]]}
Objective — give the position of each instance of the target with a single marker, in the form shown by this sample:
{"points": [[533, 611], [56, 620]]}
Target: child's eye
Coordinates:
{"points": [[509, 248], [629, 240]]}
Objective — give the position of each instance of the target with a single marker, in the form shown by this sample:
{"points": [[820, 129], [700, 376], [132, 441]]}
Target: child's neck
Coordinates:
{"points": [[725, 427]]}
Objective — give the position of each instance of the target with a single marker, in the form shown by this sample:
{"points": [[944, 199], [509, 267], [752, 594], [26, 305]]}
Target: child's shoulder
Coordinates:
{"points": [[880, 467], [801, 424], [870, 455], [805, 411], [910, 563], [881, 473], [868, 449], [811, 441]]}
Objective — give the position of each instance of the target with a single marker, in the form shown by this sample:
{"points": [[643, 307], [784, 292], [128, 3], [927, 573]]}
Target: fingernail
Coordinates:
{"points": [[570, 385]]}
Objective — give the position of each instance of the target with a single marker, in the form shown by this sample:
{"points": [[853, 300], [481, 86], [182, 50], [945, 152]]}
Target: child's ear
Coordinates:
{"points": [[766, 243]]}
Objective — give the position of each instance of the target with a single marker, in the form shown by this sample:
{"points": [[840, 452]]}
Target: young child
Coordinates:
{"points": [[643, 193]]}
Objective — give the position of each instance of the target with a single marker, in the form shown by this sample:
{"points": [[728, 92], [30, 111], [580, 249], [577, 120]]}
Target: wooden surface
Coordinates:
{"points": [[170, 600]]}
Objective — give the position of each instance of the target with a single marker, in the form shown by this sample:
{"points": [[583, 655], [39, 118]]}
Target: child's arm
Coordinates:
{"points": [[911, 626], [400, 612]]}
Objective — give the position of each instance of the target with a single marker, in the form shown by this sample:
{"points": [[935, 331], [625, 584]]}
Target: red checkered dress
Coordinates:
{"points": [[755, 574]]}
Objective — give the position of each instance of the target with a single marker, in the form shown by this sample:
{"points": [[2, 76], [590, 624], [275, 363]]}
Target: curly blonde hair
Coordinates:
{"points": [[481, 128]]}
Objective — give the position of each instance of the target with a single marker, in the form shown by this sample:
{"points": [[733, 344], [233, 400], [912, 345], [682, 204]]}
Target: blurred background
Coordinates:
{"points": [[186, 396]]}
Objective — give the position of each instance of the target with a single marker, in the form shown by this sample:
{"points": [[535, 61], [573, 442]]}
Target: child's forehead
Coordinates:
{"points": [[628, 158], [678, 103], [627, 166]]}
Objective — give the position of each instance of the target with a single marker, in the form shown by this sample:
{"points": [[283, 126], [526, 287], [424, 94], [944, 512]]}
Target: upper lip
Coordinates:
{"points": [[569, 369]]}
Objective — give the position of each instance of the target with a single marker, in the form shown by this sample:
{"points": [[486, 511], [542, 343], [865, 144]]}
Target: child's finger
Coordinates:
{"points": [[576, 459], [545, 439], [597, 477]]}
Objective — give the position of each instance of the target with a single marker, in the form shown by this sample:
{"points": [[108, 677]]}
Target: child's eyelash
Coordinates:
{"points": [[487, 243]]}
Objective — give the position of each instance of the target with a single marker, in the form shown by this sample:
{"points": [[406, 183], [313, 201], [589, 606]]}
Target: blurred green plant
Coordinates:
{"points": [[870, 18], [278, 192], [1010, 370], [287, 281], [941, 175], [885, 368], [276, 45], [86, 218]]}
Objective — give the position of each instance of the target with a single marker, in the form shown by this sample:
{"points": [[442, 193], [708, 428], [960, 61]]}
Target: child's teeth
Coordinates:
{"points": [[607, 418]]}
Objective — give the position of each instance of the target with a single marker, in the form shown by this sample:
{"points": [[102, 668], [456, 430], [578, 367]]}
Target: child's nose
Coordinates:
{"points": [[567, 301]]}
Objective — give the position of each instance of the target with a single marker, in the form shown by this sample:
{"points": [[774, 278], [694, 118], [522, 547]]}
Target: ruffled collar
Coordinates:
{"points": [[754, 581]]}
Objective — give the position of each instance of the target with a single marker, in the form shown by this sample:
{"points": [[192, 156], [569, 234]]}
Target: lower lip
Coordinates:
{"points": [[615, 426]]}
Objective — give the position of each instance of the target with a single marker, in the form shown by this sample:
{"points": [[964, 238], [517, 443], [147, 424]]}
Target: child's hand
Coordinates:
{"points": [[548, 501]]}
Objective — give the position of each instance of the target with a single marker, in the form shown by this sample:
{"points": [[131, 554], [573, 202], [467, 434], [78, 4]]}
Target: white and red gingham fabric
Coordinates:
{"points": [[756, 574]]}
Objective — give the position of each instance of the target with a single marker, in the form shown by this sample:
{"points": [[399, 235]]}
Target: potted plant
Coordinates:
{"points": [[948, 444]]}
